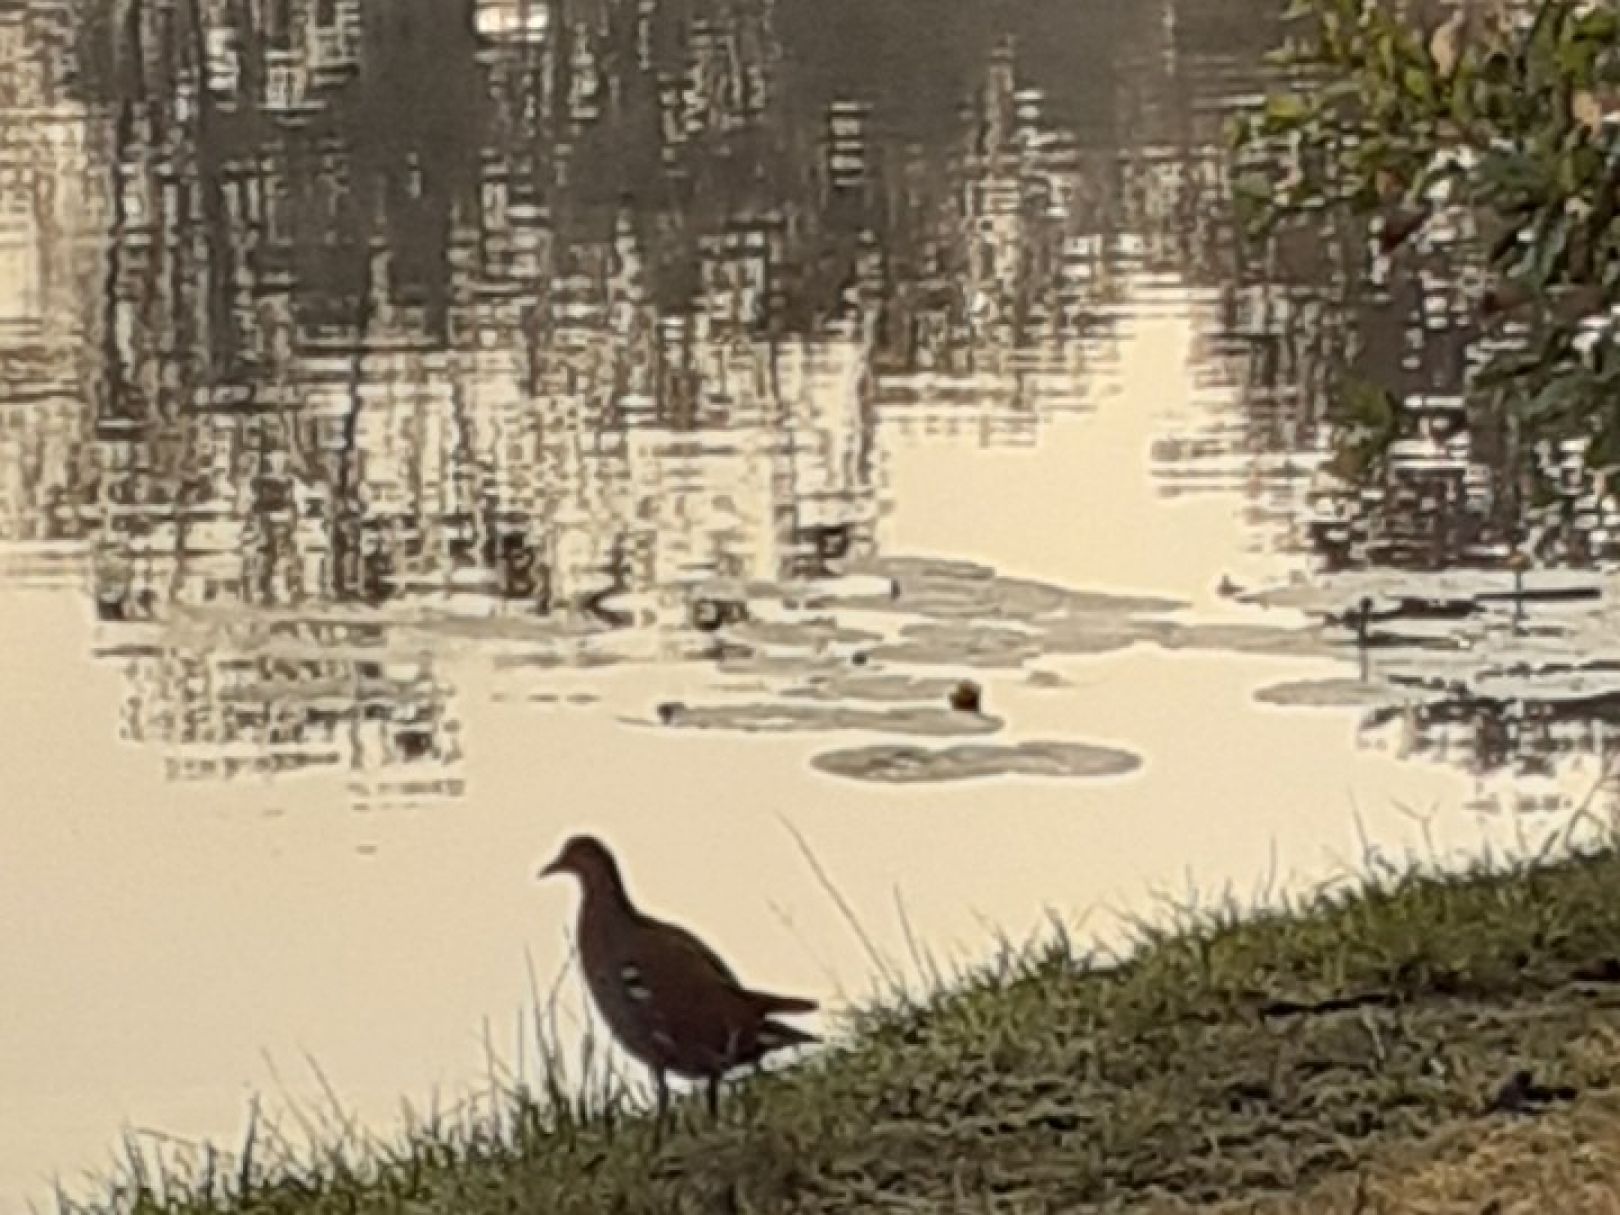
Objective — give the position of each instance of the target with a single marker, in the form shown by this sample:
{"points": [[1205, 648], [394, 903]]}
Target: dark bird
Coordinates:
{"points": [[666, 996]]}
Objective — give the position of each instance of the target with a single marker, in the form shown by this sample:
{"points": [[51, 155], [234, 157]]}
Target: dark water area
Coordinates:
{"points": [[427, 426], [365, 304]]}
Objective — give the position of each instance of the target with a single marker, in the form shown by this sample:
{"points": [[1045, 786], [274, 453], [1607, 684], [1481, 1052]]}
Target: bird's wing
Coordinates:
{"points": [[675, 952], [688, 1001], [691, 1006]]}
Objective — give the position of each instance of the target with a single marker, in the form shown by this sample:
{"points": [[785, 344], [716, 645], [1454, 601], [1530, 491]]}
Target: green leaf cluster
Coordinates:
{"points": [[1506, 118]]}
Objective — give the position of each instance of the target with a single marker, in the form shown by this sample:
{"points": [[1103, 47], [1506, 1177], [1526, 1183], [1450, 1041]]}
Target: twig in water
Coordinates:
{"points": [[829, 976], [842, 904]]}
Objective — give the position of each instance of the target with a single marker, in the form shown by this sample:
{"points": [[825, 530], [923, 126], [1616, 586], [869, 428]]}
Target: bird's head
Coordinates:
{"points": [[588, 859]]}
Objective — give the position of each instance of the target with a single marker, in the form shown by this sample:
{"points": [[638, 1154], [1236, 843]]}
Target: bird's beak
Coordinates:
{"points": [[546, 871]]}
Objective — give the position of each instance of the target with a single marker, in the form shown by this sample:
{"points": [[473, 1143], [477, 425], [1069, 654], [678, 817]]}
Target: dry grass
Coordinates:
{"points": [[1565, 1162]]}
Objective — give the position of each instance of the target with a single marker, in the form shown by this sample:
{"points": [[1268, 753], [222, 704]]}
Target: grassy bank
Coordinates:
{"points": [[1356, 1053]]}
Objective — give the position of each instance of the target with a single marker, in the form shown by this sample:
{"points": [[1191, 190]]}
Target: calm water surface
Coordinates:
{"points": [[374, 466]]}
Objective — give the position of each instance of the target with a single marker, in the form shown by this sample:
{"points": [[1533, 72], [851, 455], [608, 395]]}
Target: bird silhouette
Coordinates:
{"points": [[667, 998]]}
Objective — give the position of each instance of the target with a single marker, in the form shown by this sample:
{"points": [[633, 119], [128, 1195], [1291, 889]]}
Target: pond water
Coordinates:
{"points": [[650, 431]]}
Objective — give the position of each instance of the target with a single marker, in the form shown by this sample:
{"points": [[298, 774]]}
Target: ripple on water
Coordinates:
{"points": [[895, 763]]}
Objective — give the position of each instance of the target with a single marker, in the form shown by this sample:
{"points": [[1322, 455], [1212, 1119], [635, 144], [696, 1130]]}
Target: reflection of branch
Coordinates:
{"points": [[222, 345], [114, 386], [248, 64], [136, 20], [467, 478], [345, 513]]}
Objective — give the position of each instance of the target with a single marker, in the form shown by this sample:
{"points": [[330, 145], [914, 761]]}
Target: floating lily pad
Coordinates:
{"points": [[807, 634], [550, 660], [790, 666], [1089, 603], [900, 764], [932, 569], [1242, 639], [1090, 635], [1389, 589], [889, 688], [1341, 693], [960, 645], [761, 718], [960, 590]]}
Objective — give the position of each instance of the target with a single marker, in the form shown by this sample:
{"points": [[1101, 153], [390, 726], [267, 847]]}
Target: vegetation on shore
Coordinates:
{"points": [[1427, 1042], [1485, 136]]}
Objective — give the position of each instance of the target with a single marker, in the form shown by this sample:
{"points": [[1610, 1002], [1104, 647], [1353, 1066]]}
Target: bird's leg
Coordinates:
{"points": [[714, 1098], [662, 1083]]}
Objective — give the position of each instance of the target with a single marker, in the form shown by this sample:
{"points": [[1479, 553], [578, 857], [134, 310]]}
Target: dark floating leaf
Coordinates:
{"points": [[902, 764], [960, 590], [1341, 693], [974, 645], [888, 688], [801, 717]]}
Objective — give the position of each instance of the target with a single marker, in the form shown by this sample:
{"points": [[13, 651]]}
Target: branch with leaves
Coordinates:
{"points": [[1505, 120]]}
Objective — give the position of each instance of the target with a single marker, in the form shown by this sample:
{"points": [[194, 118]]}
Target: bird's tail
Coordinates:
{"points": [[773, 1035], [770, 1006]]}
